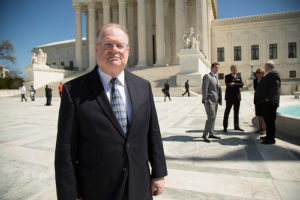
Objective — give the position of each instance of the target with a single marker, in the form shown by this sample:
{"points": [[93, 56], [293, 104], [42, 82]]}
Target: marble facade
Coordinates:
{"points": [[261, 30], [155, 27]]}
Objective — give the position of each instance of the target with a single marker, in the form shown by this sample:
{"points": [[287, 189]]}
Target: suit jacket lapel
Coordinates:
{"points": [[101, 97], [133, 98]]}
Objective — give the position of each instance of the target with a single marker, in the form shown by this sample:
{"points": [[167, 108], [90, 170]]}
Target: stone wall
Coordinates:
{"points": [[262, 30]]}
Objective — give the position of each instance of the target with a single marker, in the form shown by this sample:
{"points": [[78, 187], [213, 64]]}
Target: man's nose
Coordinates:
{"points": [[114, 48]]}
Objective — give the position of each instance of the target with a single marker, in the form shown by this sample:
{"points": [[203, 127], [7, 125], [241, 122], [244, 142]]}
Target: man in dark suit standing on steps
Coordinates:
{"points": [[233, 97], [108, 130], [268, 94]]}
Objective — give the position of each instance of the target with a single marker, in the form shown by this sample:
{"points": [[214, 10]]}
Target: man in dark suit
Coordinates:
{"points": [[233, 97], [211, 97], [186, 86], [167, 90], [48, 92], [268, 94], [108, 130]]}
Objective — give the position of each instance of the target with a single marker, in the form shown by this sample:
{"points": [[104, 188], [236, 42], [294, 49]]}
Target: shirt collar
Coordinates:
{"points": [[269, 71], [105, 78], [213, 74]]}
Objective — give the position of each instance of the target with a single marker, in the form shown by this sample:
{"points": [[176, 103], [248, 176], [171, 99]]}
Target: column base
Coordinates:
{"points": [[159, 64], [140, 65]]}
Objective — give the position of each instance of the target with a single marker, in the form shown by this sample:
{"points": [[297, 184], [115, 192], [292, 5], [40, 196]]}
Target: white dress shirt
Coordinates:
{"points": [[121, 86], [23, 90], [217, 81]]}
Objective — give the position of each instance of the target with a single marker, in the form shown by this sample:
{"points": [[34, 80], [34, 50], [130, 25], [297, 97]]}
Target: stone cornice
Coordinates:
{"points": [[64, 42], [257, 18], [215, 8]]}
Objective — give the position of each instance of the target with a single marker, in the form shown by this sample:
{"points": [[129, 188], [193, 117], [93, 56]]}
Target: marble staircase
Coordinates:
{"points": [[155, 75]]}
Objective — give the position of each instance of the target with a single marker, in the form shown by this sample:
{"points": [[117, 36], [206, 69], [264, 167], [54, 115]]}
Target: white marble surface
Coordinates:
{"points": [[237, 167]]}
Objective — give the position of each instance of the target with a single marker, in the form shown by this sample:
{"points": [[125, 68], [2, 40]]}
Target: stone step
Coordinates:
{"points": [[157, 77]]}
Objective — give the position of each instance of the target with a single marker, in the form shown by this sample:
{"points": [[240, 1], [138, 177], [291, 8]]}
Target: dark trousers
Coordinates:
{"points": [[60, 94], [23, 97], [236, 108], [186, 91], [32, 98], [167, 94], [125, 194], [269, 115], [49, 99]]}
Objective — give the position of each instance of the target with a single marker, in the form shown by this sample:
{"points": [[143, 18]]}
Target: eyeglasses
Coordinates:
{"points": [[109, 46]]}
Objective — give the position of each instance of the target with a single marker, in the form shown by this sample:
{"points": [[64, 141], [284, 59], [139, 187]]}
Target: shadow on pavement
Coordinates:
{"points": [[232, 141], [182, 139], [194, 131]]}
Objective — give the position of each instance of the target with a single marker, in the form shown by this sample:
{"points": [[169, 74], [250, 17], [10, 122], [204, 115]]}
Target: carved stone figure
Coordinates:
{"points": [[42, 57], [34, 59], [191, 39]]}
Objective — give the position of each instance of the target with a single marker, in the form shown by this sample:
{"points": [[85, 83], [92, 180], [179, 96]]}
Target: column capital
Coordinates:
{"points": [[105, 2], [91, 5], [76, 6]]}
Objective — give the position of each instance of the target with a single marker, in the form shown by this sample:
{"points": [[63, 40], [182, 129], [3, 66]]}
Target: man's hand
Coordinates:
{"points": [[232, 83], [157, 186], [267, 100]]}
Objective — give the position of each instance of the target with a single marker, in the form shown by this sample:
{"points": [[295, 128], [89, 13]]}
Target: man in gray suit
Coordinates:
{"points": [[211, 97]]}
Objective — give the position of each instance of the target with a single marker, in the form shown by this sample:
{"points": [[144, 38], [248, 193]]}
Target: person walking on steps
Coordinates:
{"points": [[167, 90], [186, 86]]}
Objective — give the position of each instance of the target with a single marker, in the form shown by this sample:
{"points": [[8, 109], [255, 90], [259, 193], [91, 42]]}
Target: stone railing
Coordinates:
{"points": [[64, 67]]}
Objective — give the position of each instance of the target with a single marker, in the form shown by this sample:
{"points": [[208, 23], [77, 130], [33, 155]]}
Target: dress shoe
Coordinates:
{"points": [[225, 130], [268, 141], [238, 129], [215, 137], [263, 138], [206, 139]]}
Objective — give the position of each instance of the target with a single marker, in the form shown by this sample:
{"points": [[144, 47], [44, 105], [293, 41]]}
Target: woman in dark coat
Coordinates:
{"points": [[258, 107]]}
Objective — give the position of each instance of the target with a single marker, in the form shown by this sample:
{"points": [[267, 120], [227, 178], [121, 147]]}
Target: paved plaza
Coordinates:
{"points": [[236, 167]]}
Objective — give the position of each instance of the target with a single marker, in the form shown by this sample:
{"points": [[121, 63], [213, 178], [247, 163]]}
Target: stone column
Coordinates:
{"points": [[167, 32], [160, 34], [92, 34], [201, 23], [179, 24], [78, 37], [115, 14], [131, 33], [149, 33], [106, 11], [142, 62], [122, 12], [100, 17]]}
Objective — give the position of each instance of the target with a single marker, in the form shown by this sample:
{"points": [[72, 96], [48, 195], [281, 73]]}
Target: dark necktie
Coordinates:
{"points": [[118, 105]]}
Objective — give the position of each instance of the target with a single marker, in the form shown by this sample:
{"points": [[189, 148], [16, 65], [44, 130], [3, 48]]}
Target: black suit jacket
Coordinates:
{"points": [[186, 85], [269, 88], [93, 158], [232, 92]]}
